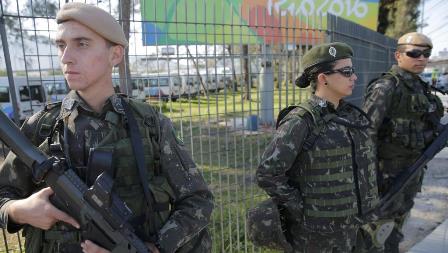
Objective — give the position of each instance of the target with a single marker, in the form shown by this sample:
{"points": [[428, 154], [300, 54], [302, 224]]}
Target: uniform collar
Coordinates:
{"points": [[323, 103], [72, 101], [346, 114]]}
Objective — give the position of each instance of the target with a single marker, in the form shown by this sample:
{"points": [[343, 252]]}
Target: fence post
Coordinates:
{"points": [[12, 89], [266, 87]]}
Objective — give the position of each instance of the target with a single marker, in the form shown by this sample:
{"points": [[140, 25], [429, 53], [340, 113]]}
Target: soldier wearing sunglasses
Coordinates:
{"points": [[319, 168], [405, 116]]}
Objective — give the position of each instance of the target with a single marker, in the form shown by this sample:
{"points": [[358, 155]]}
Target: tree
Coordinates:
{"points": [[396, 18], [46, 8]]}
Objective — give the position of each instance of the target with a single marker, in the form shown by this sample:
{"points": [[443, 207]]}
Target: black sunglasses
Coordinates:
{"points": [[415, 53], [345, 71]]}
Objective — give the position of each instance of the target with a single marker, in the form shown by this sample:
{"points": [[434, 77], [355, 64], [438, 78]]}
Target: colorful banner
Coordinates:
{"points": [[180, 22]]}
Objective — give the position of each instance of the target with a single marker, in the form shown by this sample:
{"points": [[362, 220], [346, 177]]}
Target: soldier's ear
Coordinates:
{"points": [[398, 56], [116, 54], [322, 78]]}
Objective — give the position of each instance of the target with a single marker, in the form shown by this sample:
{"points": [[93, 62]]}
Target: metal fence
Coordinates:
{"points": [[227, 62]]}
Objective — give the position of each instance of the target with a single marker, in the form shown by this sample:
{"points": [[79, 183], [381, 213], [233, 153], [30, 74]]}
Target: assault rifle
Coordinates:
{"points": [[102, 214], [405, 177]]}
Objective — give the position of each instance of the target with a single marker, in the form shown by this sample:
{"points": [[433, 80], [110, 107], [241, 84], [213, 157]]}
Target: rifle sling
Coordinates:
{"points": [[137, 147]]}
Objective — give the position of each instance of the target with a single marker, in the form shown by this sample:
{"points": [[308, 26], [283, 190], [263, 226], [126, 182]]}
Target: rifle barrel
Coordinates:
{"points": [[18, 143]]}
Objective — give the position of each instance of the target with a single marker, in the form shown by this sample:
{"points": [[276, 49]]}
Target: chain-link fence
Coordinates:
{"points": [[221, 70]]}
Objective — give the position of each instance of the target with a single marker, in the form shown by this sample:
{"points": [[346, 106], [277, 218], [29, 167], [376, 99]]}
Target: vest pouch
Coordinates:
{"points": [[127, 183], [163, 194], [416, 133], [436, 105], [418, 103], [400, 132]]}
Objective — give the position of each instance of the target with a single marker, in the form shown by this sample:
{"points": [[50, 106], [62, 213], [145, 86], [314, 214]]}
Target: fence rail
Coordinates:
{"points": [[222, 66]]}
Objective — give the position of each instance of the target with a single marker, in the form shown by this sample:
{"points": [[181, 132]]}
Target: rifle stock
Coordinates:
{"points": [[102, 221]]}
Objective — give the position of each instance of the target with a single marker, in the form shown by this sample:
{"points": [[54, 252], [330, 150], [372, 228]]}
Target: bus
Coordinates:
{"points": [[30, 96], [161, 86], [56, 87]]}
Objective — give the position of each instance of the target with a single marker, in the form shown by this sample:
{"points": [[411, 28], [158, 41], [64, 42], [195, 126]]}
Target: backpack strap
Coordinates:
{"points": [[150, 118], [307, 110], [40, 126], [137, 147]]}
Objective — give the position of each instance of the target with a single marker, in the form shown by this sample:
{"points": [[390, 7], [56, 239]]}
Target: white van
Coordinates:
{"points": [[30, 95], [191, 84], [161, 86], [56, 88], [210, 83]]}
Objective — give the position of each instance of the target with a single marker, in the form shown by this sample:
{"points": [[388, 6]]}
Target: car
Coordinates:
{"points": [[442, 82]]}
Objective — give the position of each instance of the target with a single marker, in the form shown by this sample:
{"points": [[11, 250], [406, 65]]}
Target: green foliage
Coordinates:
{"points": [[396, 18], [46, 8]]}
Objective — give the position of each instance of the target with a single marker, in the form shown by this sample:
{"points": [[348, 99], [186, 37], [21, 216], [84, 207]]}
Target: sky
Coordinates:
{"points": [[435, 16]]}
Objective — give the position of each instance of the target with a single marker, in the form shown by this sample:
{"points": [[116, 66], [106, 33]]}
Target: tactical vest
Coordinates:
{"points": [[336, 175], [411, 121], [127, 184]]}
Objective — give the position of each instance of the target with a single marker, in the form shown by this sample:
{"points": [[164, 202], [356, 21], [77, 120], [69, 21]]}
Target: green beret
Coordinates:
{"points": [[95, 19], [320, 54]]}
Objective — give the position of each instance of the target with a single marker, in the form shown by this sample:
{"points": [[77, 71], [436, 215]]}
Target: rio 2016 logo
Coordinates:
{"points": [[318, 7]]}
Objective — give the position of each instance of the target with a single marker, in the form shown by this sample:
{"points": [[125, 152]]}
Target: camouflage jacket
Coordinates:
{"points": [[404, 117], [293, 176], [190, 199]]}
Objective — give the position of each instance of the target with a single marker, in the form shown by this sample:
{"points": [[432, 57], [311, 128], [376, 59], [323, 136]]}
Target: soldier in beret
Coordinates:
{"points": [[319, 168], [405, 116], [171, 202]]}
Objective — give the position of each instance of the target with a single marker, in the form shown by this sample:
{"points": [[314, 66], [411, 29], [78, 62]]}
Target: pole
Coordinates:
{"points": [[12, 90], [266, 87]]}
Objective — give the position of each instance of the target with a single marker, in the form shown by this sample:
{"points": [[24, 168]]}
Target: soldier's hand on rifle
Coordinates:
{"points": [[37, 211], [90, 247]]}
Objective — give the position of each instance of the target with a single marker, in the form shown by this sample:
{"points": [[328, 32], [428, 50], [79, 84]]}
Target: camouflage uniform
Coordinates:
{"points": [[174, 179], [324, 191], [404, 121]]}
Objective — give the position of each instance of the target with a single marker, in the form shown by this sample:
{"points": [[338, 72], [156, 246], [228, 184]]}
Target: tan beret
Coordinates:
{"points": [[416, 39], [94, 18]]}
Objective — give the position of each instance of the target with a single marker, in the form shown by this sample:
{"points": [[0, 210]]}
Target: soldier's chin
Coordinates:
{"points": [[348, 93], [420, 67]]}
